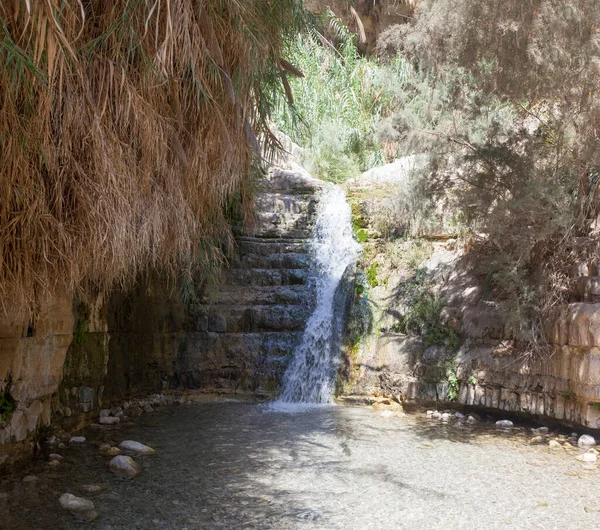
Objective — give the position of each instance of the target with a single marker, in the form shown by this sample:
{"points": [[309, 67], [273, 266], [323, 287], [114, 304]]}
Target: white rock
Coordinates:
{"points": [[77, 440], [54, 456], [459, 415], [429, 412], [587, 457], [136, 447], [446, 416], [553, 444], [104, 413], [436, 414], [75, 504], [108, 420], [585, 440], [540, 430], [504, 424], [93, 488], [124, 466], [119, 414], [471, 419]]}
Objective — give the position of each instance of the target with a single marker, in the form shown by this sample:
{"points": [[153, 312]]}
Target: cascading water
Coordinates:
{"points": [[310, 376]]}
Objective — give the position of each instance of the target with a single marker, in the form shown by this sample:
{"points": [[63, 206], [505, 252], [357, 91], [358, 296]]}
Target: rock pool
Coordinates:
{"points": [[239, 465]]}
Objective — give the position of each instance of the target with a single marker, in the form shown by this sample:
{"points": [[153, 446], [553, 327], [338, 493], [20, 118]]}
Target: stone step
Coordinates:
{"points": [[285, 203], [290, 182], [256, 245], [290, 260], [257, 318], [267, 347], [273, 232], [266, 277], [257, 295]]}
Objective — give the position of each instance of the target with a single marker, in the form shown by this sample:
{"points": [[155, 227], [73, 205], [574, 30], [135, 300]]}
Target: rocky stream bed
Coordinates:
{"points": [[242, 465]]}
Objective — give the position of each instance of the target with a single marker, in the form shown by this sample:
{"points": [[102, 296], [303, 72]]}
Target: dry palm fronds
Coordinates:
{"points": [[125, 127]]}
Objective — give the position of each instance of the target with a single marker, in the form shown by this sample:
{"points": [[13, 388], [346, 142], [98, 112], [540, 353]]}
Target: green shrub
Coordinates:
{"points": [[338, 102]]}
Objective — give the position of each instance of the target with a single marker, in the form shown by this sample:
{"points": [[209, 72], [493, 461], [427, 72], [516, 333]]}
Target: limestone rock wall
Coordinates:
{"points": [[562, 385], [236, 335], [32, 354]]}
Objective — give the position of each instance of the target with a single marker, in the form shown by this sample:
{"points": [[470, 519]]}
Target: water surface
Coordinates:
{"points": [[239, 465]]}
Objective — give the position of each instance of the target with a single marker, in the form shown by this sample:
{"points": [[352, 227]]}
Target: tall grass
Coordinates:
{"points": [[125, 128], [338, 102]]}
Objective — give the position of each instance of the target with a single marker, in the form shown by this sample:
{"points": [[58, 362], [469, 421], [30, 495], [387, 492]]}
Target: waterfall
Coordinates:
{"points": [[310, 377]]}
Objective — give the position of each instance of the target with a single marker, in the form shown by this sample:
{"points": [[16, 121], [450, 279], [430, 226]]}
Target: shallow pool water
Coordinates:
{"points": [[239, 465]]}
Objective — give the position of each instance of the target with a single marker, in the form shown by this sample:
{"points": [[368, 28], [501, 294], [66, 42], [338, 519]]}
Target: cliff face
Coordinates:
{"points": [[233, 336], [469, 358]]}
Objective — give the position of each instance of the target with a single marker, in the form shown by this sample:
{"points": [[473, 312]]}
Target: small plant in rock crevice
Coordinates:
{"points": [[7, 403]]}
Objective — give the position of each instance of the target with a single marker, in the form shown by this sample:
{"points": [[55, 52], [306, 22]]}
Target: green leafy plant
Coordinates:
{"points": [[453, 386], [372, 275]]}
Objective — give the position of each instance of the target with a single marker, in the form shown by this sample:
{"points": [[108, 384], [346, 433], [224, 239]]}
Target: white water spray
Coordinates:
{"points": [[310, 377]]}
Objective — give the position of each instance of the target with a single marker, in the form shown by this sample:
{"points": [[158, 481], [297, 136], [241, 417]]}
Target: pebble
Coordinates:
{"points": [[553, 444], [537, 440], [108, 420], [585, 440], [77, 440], [93, 488], [135, 411], [504, 424], [54, 456], [136, 447], [107, 450], [54, 463], [587, 457], [61, 446], [124, 466], [75, 504], [148, 409], [459, 415], [30, 478], [540, 430]]}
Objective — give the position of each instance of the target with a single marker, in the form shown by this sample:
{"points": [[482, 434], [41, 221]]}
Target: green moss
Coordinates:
{"points": [[80, 336]]}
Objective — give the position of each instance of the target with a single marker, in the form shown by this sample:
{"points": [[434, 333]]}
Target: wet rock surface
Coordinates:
{"points": [[236, 465]]}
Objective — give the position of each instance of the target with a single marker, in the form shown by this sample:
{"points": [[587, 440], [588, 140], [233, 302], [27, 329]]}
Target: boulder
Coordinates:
{"points": [[504, 424]]}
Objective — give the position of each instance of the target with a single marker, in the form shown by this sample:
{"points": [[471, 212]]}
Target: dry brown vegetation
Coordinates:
{"points": [[126, 128]]}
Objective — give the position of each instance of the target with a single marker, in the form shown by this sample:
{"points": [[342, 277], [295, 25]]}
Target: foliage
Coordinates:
{"points": [[372, 275], [337, 103], [408, 253], [423, 315], [504, 108], [125, 128], [453, 386], [80, 335]]}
